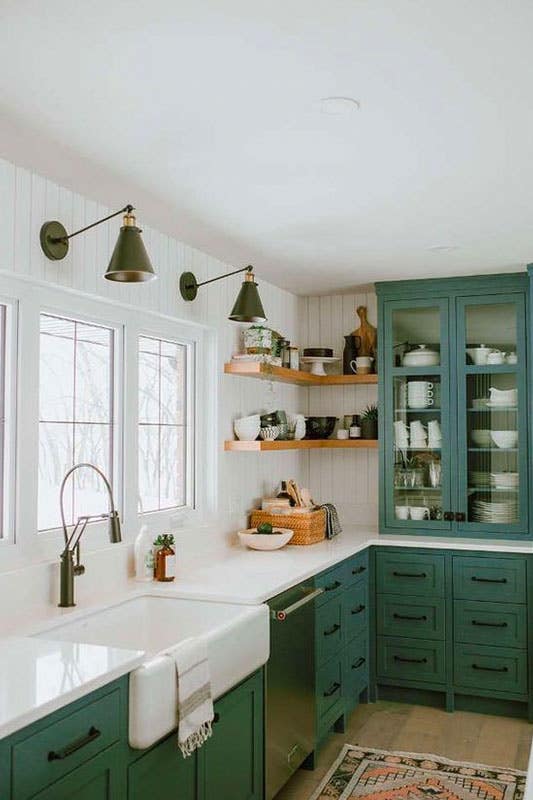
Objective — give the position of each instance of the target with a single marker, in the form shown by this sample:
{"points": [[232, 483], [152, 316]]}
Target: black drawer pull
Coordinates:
{"points": [[359, 663], [490, 669], [358, 609], [358, 570], [489, 624], [332, 630], [216, 717], [332, 586], [423, 618], [77, 744], [489, 580], [409, 574], [411, 660], [332, 689]]}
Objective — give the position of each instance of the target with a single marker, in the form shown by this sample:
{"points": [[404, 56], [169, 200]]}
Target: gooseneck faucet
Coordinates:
{"points": [[69, 569]]}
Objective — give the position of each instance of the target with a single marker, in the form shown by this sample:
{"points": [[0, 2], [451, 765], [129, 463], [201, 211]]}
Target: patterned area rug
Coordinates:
{"points": [[384, 775]]}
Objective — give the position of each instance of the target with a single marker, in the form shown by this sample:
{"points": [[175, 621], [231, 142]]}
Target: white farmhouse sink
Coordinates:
{"points": [[237, 639]]}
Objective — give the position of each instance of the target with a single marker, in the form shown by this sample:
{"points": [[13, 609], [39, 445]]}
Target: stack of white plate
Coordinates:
{"points": [[504, 480], [500, 509]]}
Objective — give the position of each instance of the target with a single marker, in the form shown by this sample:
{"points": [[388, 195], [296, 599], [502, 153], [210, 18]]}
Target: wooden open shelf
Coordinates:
{"points": [[254, 369], [301, 444]]}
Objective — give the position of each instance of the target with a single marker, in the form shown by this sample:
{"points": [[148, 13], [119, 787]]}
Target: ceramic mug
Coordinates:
{"points": [[496, 357], [402, 512], [419, 512]]}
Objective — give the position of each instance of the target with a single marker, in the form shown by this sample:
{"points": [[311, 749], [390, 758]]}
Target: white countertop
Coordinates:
{"points": [[38, 676]]}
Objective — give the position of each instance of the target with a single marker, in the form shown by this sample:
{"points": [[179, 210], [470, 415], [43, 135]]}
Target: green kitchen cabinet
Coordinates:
{"points": [[164, 774], [453, 377], [100, 778]]}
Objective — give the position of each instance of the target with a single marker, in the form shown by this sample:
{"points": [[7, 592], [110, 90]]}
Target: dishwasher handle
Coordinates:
{"points": [[282, 614]]}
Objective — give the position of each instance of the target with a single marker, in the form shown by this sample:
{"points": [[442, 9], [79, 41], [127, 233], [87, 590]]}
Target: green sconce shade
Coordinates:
{"points": [[129, 262], [248, 306]]}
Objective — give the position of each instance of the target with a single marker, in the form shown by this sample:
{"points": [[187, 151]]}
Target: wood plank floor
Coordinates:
{"points": [[463, 736]]}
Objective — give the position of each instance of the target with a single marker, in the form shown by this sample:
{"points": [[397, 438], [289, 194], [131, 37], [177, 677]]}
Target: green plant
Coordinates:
{"points": [[370, 413], [265, 528], [164, 540]]}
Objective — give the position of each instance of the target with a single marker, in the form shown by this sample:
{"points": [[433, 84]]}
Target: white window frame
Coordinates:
{"points": [[10, 414], [28, 298]]}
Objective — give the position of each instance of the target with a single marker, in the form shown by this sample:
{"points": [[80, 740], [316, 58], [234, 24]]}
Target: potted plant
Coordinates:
{"points": [[369, 422], [165, 558]]}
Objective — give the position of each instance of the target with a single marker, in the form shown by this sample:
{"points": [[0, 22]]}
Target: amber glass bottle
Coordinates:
{"points": [[165, 558]]}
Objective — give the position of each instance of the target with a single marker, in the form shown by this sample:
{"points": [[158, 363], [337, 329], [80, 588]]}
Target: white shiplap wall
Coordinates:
{"points": [[348, 478], [27, 200]]}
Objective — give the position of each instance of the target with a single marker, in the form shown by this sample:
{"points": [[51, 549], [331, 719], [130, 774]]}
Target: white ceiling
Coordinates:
{"points": [[204, 114]]}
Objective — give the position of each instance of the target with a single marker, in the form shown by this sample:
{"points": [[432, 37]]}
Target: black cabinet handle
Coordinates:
{"points": [[216, 717], [409, 574], [488, 580], [332, 630], [77, 744], [358, 609], [489, 624], [448, 516], [332, 689], [411, 660], [332, 586], [423, 618], [358, 570], [490, 669], [359, 663], [460, 516]]}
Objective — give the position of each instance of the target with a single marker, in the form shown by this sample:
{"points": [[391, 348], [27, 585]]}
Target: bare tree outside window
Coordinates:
{"points": [[162, 424]]}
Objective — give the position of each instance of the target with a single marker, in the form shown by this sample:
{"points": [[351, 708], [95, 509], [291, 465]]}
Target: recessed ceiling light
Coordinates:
{"points": [[442, 248], [339, 105]]}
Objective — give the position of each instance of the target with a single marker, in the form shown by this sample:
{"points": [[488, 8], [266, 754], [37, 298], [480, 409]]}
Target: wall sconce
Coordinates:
{"points": [[129, 262], [248, 306]]}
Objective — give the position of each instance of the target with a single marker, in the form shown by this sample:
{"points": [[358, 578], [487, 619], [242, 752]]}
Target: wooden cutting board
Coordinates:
{"points": [[367, 333]]}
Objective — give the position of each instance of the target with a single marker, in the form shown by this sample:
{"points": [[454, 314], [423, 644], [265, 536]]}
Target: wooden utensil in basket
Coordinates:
{"points": [[309, 527]]}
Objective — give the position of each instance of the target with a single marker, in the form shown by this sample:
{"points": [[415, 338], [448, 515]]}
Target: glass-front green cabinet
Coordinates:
{"points": [[453, 406]]}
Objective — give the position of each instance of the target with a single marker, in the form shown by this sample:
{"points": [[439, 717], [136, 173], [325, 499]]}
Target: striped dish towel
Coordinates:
{"points": [[195, 705]]}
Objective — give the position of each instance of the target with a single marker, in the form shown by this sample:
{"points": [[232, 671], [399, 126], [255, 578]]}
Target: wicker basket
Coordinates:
{"points": [[309, 528]]}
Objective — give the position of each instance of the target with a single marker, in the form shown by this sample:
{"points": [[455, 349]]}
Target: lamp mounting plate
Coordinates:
{"points": [[188, 286], [54, 241]]}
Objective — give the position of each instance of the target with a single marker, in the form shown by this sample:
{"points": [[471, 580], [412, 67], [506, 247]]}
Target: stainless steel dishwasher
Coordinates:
{"points": [[290, 684]]}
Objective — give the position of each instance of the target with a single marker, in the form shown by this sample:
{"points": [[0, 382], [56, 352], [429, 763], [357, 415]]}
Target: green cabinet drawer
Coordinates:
{"points": [[157, 773], [410, 659], [334, 581], [355, 610], [497, 624], [328, 629], [355, 664], [415, 617], [493, 579], [328, 687], [64, 745], [410, 573], [100, 778], [356, 568], [479, 667]]}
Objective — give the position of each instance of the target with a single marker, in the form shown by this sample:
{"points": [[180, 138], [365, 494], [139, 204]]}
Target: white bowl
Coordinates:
{"points": [[421, 357], [270, 433], [247, 428], [481, 437], [504, 438], [265, 541]]}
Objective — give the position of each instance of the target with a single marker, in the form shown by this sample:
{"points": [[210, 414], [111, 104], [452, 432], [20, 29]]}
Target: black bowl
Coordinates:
{"points": [[319, 427], [318, 352]]}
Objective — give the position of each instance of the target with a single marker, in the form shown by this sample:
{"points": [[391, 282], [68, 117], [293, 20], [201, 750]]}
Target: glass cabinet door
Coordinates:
{"points": [[491, 415], [416, 405]]}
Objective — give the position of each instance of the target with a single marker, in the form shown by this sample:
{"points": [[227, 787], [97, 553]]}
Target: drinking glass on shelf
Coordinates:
{"points": [[435, 471]]}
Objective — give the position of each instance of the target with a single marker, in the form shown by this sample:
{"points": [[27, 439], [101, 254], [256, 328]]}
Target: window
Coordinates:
{"points": [[76, 415], [4, 424], [162, 424]]}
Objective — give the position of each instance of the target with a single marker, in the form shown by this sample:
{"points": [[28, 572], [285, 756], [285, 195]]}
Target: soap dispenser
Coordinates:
{"points": [[144, 555]]}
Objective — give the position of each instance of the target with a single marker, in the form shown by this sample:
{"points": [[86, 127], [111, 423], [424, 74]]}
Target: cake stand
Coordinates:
{"points": [[317, 363]]}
